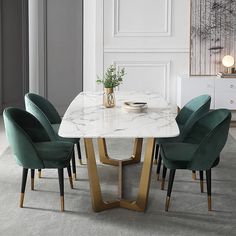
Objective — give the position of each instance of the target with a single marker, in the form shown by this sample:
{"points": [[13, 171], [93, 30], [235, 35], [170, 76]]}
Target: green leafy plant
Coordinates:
{"points": [[112, 77]]}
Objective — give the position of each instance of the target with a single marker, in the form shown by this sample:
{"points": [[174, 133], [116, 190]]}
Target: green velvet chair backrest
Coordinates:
{"points": [[211, 132], [44, 111], [192, 112], [23, 130]]}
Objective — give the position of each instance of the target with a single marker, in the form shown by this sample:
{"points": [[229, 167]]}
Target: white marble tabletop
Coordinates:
{"points": [[87, 118]]}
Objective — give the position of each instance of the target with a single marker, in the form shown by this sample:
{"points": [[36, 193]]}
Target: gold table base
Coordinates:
{"points": [[140, 203]]}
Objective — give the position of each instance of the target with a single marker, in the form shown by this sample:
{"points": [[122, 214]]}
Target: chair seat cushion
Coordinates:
{"points": [[55, 154], [177, 155], [56, 129]]}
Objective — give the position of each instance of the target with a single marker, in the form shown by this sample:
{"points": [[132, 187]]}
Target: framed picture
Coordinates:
{"points": [[212, 35]]}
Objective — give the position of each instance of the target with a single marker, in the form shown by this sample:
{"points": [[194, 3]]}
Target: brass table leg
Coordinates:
{"points": [[141, 201], [96, 196], [135, 157], [120, 182], [95, 189]]}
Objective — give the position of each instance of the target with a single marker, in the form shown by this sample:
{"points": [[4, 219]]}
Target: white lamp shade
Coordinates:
{"points": [[228, 61]]}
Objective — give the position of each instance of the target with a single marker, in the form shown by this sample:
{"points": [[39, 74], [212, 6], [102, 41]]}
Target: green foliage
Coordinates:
{"points": [[112, 77]]}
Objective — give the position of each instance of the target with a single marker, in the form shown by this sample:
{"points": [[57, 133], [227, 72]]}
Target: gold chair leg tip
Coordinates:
{"points": [[21, 199], [80, 162], [155, 162], [167, 203], [209, 203], [62, 204], [194, 176], [39, 174], [74, 176]]}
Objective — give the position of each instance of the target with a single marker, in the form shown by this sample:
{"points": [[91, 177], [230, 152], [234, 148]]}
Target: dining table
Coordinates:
{"points": [[87, 118]]}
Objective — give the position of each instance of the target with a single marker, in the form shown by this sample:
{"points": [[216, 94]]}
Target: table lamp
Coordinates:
{"points": [[228, 62]]}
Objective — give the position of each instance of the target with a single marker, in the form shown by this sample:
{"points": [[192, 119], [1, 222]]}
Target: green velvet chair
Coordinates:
{"points": [[185, 119], [200, 149], [48, 116], [33, 149]]}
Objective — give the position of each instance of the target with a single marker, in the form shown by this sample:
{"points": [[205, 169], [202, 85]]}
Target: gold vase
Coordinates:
{"points": [[109, 98]]}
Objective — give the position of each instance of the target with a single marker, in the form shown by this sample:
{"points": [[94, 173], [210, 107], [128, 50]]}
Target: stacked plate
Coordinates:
{"points": [[136, 107]]}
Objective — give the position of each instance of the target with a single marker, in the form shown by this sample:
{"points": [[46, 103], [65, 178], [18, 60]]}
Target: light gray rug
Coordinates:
{"points": [[188, 213]]}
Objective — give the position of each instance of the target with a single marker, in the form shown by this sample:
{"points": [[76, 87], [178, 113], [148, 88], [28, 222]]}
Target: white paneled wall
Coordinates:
{"points": [[150, 38], [140, 25]]}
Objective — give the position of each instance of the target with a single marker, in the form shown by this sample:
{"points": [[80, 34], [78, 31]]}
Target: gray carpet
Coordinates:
{"points": [[188, 213]]}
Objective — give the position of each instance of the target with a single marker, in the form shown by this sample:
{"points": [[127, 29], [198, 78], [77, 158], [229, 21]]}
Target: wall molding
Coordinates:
{"points": [[25, 45], [146, 50], [166, 65], [38, 47], [93, 47], [42, 28], [165, 33]]}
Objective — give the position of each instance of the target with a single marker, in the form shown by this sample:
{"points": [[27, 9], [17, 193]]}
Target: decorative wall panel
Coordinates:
{"points": [[213, 35]]}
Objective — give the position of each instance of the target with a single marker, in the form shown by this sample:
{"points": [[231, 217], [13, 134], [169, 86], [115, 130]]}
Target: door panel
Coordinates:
{"points": [[150, 38]]}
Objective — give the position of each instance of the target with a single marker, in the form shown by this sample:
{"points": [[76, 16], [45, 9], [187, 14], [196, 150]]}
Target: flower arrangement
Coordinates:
{"points": [[112, 77]]}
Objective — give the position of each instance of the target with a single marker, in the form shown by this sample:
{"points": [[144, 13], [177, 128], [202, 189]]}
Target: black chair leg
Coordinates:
{"points": [[70, 176], [194, 175], [23, 183], [32, 179], [156, 154], [61, 186], [79, 153], [159, 166], [201, 181], [39, 173], [170, 185], [163, 177], [208, 181], [73, 165]]}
